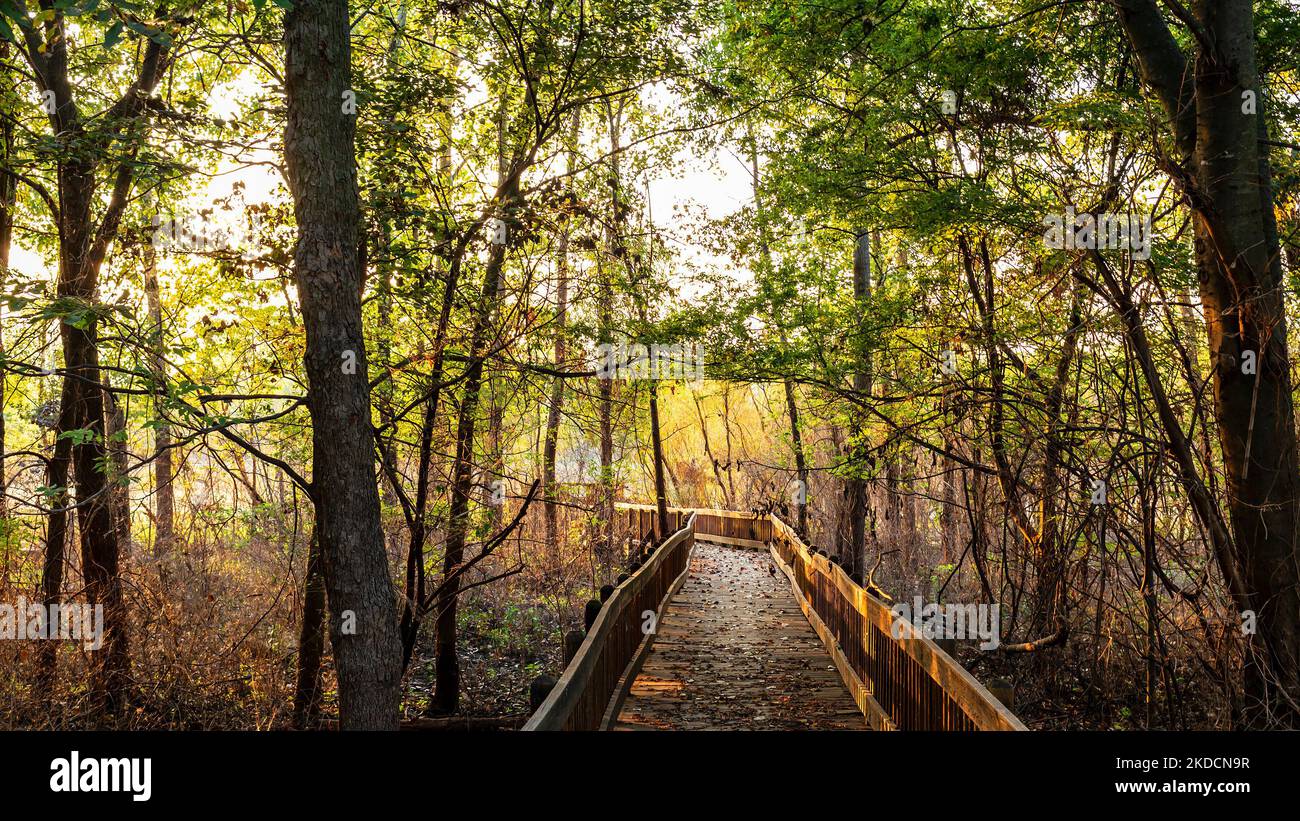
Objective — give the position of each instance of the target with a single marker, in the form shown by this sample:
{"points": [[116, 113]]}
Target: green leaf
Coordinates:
{"points": [[113, 34], [79, 436], [51, 491]]}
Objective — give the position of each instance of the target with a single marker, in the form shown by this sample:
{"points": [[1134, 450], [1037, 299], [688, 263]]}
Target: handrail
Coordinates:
{"points": [[597, 674], [644, 518], [907, 683]]}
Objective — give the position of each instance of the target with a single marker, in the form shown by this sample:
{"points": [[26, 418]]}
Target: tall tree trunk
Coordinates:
{"points": [[605, 336], [657, 443], [83, 246], [413, 603], [446, 694], [605, 332], [56, 536], [1225, 174], [311, 641], [555, 410], [164, 494], [550, 492], [800, 460], [791, 405], [320, 155], [8, 192], [853, 547]]}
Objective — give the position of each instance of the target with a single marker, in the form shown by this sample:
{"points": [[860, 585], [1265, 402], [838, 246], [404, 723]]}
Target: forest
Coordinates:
{"points": [[357, 354]]}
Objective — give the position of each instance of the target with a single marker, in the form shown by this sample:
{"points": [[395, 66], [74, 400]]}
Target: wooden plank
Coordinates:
{"points": [[868, 706], [728, 540], [643, 650], [734, 651]]}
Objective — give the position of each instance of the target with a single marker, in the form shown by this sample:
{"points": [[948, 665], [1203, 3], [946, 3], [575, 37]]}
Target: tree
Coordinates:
{"points": [[85, 149], [330, 275], [1214, 103]]}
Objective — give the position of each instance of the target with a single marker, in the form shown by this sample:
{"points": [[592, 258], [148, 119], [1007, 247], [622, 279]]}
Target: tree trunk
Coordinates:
{"points": [[446, 694], [119, 453], [8, 192], [414, 601], [800, 461], [164, 495], [311, 641], [605, 335], [83, 246], [1225, 174], [321, 160], [56, 536], [853, 546], [661, 490], [550, 492]]}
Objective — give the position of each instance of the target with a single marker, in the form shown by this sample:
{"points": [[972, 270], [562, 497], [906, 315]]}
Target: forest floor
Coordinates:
{"points": [[503, 647]]}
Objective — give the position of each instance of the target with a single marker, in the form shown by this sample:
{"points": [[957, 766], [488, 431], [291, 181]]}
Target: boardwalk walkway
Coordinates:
{"points": [[734, 651]]}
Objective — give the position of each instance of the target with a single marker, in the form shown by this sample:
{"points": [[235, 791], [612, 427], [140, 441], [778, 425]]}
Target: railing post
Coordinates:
{"points": [[590, 614], [572, 641], [1004, 690], [538, 690]]}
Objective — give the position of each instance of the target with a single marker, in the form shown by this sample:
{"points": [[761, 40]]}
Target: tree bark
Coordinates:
{"points": [[164, 494], [311, 641], [1225, 175], [119, 453], [321, 160]]}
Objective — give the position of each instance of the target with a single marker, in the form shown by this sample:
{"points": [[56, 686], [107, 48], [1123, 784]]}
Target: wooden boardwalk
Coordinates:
{"points": [[735, 652]]}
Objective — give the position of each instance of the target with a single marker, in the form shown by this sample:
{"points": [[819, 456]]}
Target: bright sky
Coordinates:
{"points": [[714, 185], [718, 183]]}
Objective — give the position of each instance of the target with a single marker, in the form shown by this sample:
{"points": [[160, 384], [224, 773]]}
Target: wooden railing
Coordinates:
{"points": [[591, 689], [908, 683], [642, 519], [734, 527], [905, 683]]}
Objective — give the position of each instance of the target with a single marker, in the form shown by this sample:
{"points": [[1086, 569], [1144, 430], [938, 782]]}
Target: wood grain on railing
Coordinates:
{"points": [[593, 679], [905, 683]]}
